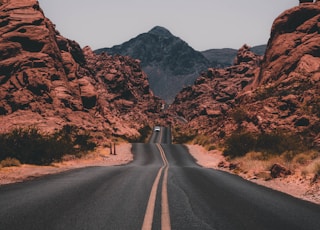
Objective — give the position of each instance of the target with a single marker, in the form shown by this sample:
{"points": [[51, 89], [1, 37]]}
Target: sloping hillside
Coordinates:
{"points": [[279, 95], [48, 81]]}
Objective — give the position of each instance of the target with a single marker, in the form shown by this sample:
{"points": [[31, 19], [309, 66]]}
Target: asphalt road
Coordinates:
{"points": [[161, 189]]}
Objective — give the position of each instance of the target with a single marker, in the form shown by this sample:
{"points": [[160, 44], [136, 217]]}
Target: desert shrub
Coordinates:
{"points": [[205, 141], [212, 147], [239, 115], [145, 133], [263, 93], [239, 144], [8, 162], [289, 155], [316, 108], [259, 156], [32, 147], [182, 136], [277, 143], [202, 140], [317, 169], [302, 159]]}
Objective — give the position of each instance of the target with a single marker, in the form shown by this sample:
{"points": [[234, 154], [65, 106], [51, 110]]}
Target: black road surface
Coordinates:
{"points": [[134, 196]]}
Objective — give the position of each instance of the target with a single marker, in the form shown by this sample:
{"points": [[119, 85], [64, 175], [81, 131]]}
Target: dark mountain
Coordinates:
{"points": [[225, 57], [169, 62]]}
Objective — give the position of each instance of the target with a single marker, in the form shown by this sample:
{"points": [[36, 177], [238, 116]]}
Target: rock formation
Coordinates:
{"points": [[280, 94], [48, 81], [207, 103]]}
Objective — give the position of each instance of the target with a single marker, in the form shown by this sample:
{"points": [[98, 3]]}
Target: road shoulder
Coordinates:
{"points": [[294, 185], [100, 157]]}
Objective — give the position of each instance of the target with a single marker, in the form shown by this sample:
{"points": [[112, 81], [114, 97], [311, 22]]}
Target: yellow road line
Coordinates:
{"points": [[148, 218], [165, 214]]}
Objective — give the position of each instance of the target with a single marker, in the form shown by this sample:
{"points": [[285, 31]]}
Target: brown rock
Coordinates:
{"points": [[278, 170], [279, 93], [87, 92], [48, 81]]}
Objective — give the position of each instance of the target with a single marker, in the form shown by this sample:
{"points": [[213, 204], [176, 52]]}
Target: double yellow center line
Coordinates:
{"points": [[165, 215]]}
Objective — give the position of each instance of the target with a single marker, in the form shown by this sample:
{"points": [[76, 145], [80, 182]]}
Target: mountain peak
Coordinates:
{"points": [[160, 31]]}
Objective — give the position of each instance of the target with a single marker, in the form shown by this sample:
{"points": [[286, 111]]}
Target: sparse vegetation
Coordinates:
{"points": [[316, 108], [205, 141], [239, 144], [239, 115], [182, 136], [264, 92], [145, 133], [30, 146], [8, 162]]}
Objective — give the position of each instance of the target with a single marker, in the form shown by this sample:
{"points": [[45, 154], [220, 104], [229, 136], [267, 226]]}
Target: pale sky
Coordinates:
{"points": [[203, 24]]}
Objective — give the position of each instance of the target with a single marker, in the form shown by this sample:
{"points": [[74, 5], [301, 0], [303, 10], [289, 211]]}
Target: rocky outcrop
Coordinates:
{"points": [[287, 91], [48, 81], [207, 103], [280, 94], [278, 170], [123, 88]]}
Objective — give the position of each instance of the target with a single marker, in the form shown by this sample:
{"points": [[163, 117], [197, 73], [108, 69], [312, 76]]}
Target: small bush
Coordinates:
{"points": [[259, 156], [239, 115], [182, 136], [145, 133], [8, 162], [212, 147], [316, 108], [239, 144], [277, 143], [302, 159], [316, 169]]}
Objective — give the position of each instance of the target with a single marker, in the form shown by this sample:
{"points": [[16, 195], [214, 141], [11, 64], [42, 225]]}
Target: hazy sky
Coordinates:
{"points": [[203, 24]]}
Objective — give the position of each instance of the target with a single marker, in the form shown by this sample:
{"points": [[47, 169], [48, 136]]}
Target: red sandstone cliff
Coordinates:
{"points": [[48, 81], [280, 94]]}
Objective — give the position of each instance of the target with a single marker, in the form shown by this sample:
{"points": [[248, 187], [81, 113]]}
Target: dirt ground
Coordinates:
{"points": [[295, 185], [100, 157]]}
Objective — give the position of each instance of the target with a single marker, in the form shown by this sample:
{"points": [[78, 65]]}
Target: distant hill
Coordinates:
{"points": [[169, 62], [225, 57]]}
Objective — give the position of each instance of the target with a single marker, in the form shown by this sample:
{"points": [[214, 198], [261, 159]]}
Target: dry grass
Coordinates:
{"points": [[8, 162], [254, 163], [313, 167]]}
